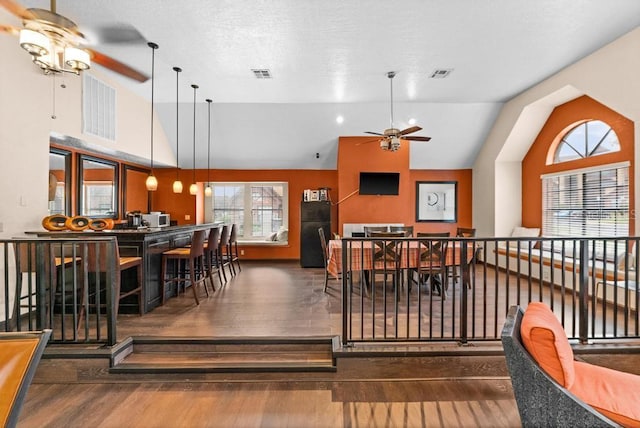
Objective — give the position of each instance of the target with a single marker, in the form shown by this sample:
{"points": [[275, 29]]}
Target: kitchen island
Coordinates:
{"points": [[148, 243]]}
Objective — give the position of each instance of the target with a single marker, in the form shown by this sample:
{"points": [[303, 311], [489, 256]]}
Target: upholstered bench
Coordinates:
{"points": [[551, 388]]}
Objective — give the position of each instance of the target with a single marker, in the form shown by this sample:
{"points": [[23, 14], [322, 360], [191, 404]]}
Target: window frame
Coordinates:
{"points": [[247, 202]]}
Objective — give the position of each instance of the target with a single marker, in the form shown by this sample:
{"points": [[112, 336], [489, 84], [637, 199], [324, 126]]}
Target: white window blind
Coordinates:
{"points": [[593, 203]]}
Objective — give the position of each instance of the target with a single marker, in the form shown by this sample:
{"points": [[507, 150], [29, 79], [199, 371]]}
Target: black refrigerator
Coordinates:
{"points": [[313, 215]]}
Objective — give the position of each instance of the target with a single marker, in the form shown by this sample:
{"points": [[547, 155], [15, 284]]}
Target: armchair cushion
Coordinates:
{"points": [[614, 394], [545, 339]]}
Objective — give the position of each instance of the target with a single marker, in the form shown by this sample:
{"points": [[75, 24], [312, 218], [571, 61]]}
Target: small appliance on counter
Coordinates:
{"points": [[134, 219], [156, 219]]}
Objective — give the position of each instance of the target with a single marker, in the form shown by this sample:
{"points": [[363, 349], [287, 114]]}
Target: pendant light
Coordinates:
{"points": [[207, 191], [152, 181], [193, 189], [177, 185]]}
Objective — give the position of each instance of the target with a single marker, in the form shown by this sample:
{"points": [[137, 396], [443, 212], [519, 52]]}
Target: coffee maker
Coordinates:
{"points": [[134, 219]]}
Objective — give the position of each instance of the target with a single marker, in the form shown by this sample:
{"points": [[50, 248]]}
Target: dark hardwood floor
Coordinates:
{"points": [[266, 299]]}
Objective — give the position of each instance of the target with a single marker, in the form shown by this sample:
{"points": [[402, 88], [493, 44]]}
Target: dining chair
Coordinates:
{"points": [[408, 230], [388, 253], [432, 268], [325, 257], [193, 257]]}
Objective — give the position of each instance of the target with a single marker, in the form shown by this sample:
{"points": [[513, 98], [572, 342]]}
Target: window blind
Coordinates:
{"points": [[591, 203]]}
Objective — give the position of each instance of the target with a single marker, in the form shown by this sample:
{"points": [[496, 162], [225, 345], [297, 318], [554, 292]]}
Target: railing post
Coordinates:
{"points": [[345, 290], [464, 295], [111, 293], [41, 284], [583, 281]]}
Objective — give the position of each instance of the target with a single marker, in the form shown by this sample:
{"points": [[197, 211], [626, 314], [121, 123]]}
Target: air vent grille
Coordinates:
{"points": [[98, 108], [441, 73], [262, 73]]}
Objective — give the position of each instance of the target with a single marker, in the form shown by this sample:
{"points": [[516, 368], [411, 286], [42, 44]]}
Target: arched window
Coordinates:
{"points": [[590, 138]]}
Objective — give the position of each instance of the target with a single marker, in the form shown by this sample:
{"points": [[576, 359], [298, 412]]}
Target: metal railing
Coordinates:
{"points": [[66, 285], [394, 290]]}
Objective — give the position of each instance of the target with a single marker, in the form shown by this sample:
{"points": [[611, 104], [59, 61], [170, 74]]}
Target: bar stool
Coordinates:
{"points": [[97, 258], [211, 255], [222, 260], [194, 257], [232, 249]]}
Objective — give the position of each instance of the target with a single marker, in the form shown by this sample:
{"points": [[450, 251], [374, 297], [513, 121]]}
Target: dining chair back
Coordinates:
{"points": [[432, 266], [387, 253], [371, 229], [464, 232], [325, 257], [407, 230]]}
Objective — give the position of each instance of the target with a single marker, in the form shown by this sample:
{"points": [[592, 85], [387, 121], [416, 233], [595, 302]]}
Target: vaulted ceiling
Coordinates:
{"points": [[330, 57]]}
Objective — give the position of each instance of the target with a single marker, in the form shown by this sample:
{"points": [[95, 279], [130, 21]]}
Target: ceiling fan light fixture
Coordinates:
{"points": [[77, 59], [37, 44]]}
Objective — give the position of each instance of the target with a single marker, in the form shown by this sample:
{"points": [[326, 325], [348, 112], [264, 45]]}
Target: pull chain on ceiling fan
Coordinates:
{"points": [[391, 137]]}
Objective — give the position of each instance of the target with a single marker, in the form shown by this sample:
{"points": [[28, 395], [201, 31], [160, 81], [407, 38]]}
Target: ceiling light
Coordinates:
{"points": [[441, 73], [54, 51], [152, 181], [339, 120], [412, 121]]}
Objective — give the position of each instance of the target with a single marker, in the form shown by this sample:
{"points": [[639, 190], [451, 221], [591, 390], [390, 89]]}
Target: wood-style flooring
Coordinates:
{"points": [[266, 299]]}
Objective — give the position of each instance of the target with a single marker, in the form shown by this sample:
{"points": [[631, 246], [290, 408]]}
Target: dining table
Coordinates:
{"points": [[362, 255]]}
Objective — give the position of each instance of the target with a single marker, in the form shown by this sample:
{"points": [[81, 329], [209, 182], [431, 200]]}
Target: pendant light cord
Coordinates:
{"points": [[153, 47], [195, 87], [391, 75], [177, 70], [209, 101]]}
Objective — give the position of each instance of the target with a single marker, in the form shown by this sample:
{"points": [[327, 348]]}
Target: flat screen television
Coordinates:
{"points": [[379, 183]]}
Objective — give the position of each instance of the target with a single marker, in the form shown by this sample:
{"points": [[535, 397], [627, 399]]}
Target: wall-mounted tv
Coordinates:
{"points": [[379, 183]]}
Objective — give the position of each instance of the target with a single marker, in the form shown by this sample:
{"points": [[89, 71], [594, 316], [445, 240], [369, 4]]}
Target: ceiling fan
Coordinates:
{"points": [[391, 137], [56, 45]]}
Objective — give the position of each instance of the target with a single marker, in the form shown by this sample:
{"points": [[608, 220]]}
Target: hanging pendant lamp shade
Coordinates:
{"points": [[152, 181], [207, 190], [193, 189], [177, 184]]}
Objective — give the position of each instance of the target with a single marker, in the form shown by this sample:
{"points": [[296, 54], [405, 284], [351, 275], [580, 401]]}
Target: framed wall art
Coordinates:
{"points": [[437, 201]]}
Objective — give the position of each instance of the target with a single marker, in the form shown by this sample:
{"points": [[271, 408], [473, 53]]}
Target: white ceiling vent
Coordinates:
{"points": [[98, 108], [441, 73], [261, 73]]}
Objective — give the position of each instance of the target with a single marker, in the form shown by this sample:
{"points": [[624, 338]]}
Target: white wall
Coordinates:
{"points": [[609, 75], [26, 106]]}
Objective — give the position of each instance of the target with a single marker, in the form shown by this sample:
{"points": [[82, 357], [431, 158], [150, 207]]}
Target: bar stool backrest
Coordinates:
{"points": [[224, 236], [214, 239], [233, 236], [197, 244]]}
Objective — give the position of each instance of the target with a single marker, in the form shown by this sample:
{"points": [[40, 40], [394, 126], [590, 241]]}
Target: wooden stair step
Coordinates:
{"points": [[215, 355]]}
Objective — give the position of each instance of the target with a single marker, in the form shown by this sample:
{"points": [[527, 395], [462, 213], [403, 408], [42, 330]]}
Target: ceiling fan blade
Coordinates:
{"points": [[117, 66], [368, 141], [416, 138], [9, 29], [16, 9], [410, 130], [373, 133]]}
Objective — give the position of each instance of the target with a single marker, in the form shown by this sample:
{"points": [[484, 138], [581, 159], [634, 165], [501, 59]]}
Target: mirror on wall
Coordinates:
{"points": [[97, 187], [59, 182], [135, 194]]}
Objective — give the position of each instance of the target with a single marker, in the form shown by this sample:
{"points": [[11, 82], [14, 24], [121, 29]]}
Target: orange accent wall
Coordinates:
{"points": [[179, 205], [356, 154], [562, 118]]}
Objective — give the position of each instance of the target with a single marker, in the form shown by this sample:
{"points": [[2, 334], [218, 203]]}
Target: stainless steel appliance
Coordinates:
{"points": [[156, 219]]}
